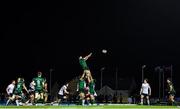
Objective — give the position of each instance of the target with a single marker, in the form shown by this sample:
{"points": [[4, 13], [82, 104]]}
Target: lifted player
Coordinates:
{"points": [[82, 61]]}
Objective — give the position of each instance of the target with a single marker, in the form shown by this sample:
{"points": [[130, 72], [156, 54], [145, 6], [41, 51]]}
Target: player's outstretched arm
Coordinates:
{"points": [[25, 88], [140, 91], [86, 57], [149, 90], [7, 90], [91, 78], [66, 91], [82, 75]]}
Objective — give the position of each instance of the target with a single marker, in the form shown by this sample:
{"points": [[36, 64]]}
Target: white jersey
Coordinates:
{"points": [[145, 88], [10, 89], [61, 91], [32, 86]]}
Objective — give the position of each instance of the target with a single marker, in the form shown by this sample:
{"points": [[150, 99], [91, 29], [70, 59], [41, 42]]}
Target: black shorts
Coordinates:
{"points": [[19, 93], [31, 92], [60, 96], [171, 94], [10, 95], [38, 90], [145, 95]]}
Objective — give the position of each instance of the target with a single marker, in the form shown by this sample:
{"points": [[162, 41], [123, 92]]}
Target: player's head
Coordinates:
{"points": [[168, 80], [13, 82], [32, 82], [39, 74], [19, 79], [80, 57], [86, 88], [145, 80], [87, 73], [67, 84], [45, 84]]}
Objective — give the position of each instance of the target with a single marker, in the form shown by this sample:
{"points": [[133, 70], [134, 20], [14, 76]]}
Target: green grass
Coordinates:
{"points": [[89, 107]]}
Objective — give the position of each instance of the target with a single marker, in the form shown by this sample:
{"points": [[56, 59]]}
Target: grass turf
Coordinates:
{"points": [[90, 107]]}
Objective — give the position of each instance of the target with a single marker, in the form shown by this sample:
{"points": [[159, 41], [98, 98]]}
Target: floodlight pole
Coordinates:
{"points": [[50, 78], [102, 75], [159, 85], [101, 78], [171, 72], [163, 83], [116, 78], [143, 72]]}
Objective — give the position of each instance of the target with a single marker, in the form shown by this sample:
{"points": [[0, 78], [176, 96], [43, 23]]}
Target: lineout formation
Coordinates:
{"points": [[38, 91]]}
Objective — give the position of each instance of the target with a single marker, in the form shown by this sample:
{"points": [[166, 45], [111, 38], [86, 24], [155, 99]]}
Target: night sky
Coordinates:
{"points": [[46, 36]]}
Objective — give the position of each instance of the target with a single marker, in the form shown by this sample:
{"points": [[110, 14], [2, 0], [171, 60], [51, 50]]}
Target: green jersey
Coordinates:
{"points": [[19, 87], [81, 85], [83, 64], [39, 82], [91, 87]]}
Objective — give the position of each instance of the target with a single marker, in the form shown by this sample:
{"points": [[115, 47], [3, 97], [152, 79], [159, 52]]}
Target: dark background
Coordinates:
{"points": [[44, 36]]}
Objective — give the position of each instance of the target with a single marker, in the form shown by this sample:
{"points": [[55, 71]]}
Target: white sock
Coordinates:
{"points": [[17, 102], [148, 102], [7, 102], [141, 101], [83, 101]]}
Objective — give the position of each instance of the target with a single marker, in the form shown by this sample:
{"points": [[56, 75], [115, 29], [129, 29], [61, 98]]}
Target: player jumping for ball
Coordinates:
{"points": [[82, 61]]}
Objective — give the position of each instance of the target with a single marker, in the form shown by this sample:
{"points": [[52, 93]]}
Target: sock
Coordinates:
{"points": [[7, 102], [17, 102], [83, 101], [141, 101], [148, 102], [87, 102]]}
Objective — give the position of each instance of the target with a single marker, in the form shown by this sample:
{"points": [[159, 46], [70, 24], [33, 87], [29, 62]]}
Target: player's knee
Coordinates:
{"points": [[16, 97], [82, 97], [92, 97], [41, 96], [36, 96]]}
